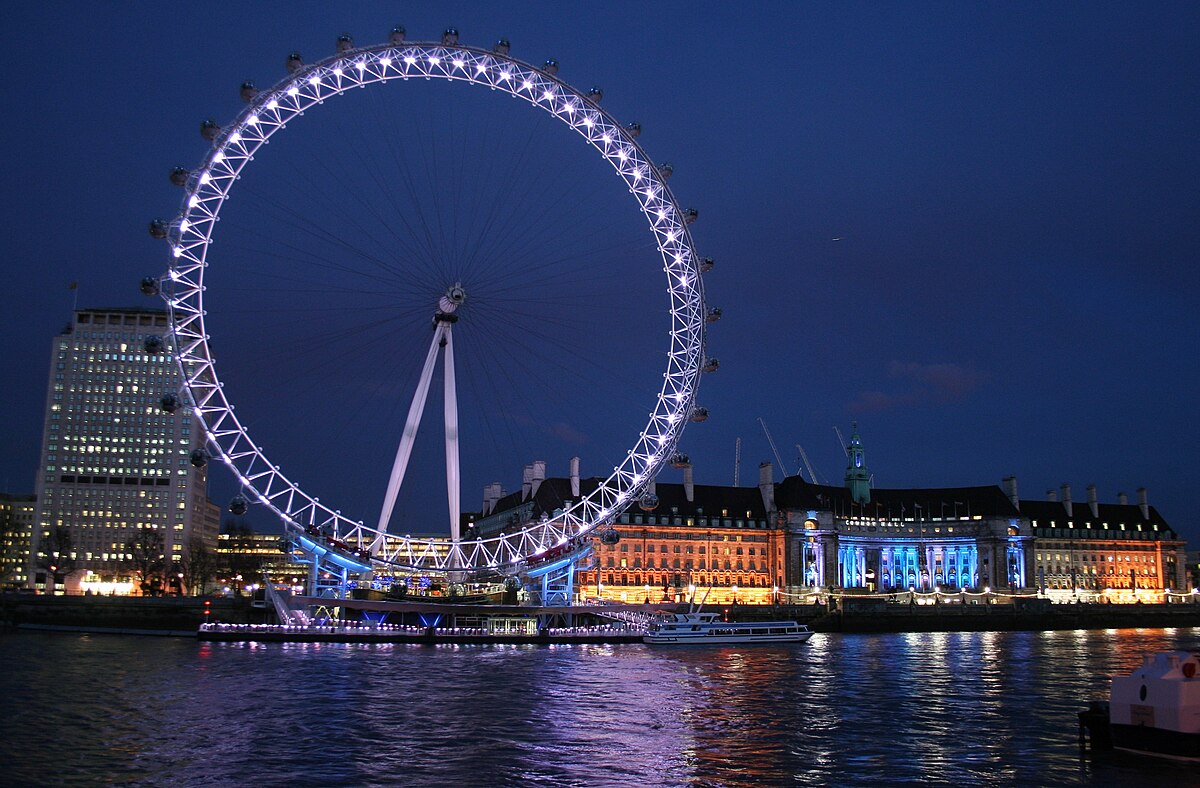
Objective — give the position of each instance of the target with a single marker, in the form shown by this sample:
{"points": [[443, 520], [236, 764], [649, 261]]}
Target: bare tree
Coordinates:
{"points": [[199, 565], [146, 555], [55, 554]]}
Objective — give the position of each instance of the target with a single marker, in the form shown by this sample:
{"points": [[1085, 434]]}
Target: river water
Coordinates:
{"points": [[933, 708]]}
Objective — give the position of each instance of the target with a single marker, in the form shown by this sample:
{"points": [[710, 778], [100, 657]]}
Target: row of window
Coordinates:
{"points": [[690, 522], [677, 563]]}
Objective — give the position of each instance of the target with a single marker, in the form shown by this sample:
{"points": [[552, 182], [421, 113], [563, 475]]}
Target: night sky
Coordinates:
{"points": [[970, 228]]}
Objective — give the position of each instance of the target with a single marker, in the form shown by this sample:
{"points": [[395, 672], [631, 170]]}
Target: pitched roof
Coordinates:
{"points": [[672, 498], [987, 500], [1046, 512]]}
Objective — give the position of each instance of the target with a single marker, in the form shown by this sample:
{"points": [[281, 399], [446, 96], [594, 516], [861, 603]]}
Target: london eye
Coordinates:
{"points": [[431, 278]]}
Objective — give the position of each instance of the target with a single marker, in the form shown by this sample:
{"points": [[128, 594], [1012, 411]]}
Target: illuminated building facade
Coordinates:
{"points": [[16, 535], [795, 540], [945, 539], [974, 539], [719, 541], [1101, 551], [243, 559], [115, 466]]}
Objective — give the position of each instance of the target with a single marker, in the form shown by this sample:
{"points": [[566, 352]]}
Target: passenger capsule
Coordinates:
{"points": [[238, 505], [294, 62], [149, 285], [634, 128], [396, 37], [158, 228], [680, 461], [248, 91], [609, 536], [690, 215], [209, 130], [502, 46], [450, 37], [666, 171], [711, 365], [713, 315], [344, 43], [706, 264], [198, 458], [154, 344], [594, 95], [169, 402], [179, 176], [550, 67], [700, 414], [648, 502]]}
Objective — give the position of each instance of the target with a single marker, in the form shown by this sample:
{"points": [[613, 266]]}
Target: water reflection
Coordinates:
{"points": [[967, 708]]}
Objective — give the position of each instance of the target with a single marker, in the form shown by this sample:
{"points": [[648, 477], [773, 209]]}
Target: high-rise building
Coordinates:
{"points": [[118, 498], [16, 536]]}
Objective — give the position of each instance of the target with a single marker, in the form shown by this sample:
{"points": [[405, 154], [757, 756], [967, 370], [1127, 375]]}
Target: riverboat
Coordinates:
{"points": [[708, 628], [1155, 710]]}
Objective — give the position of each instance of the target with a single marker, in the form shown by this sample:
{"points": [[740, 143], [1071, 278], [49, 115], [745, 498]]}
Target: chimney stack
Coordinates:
{"points": [[526, 481], [492, 493], [1010, 489], [766, 485], [1143, 503], [1066, 499], [538, 476], [1122, 499], [1051, 496], [1093, 503], [574, 477], [689, 489]]}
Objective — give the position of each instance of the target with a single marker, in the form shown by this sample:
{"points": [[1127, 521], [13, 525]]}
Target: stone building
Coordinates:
{"points": [[794, 539], [1093, 550]]}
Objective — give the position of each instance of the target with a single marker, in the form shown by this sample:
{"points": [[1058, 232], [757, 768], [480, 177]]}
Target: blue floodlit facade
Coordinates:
{"points": [[856, 537]]}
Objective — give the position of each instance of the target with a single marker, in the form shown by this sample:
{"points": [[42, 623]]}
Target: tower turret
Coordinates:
{"points": [[858, 477]]}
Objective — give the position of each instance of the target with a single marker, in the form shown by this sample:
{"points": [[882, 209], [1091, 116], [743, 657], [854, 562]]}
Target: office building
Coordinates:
{"points": [[118, 495], [16, 536]]}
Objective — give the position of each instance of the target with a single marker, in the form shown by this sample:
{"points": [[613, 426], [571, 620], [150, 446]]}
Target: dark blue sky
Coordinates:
{"points": [[1014, 188]]}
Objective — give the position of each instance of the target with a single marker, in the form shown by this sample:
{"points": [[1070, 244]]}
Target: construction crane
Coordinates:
{"points": [[812, 474], [737, 463], [841, 441], [771, 441]]}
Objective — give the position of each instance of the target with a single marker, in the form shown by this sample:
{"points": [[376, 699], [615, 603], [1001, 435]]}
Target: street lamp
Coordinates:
{"points": [[646, 588], [734, 590]]}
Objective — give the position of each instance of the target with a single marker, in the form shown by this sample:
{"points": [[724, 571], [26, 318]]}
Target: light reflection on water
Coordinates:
{"points": [[963, 708]]}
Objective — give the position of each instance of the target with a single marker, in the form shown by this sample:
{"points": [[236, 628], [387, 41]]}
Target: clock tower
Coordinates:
{"points": [[858, 477]]}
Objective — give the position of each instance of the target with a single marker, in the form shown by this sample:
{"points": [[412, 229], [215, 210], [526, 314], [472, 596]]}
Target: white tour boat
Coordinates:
{"points": [[681, 628]]}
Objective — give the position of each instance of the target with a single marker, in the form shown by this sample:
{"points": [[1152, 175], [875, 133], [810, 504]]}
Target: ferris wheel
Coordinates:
{"points": [[360, 545]]}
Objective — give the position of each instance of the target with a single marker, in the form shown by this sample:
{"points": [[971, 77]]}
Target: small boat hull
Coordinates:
{"points": [[1156, 741]]}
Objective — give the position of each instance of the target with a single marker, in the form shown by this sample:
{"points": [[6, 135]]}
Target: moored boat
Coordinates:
{"points": [[708, 628], [1155, 710]]}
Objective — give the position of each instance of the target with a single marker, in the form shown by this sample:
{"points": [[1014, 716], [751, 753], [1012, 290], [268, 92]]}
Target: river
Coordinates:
{"points": [[981, 708]]}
